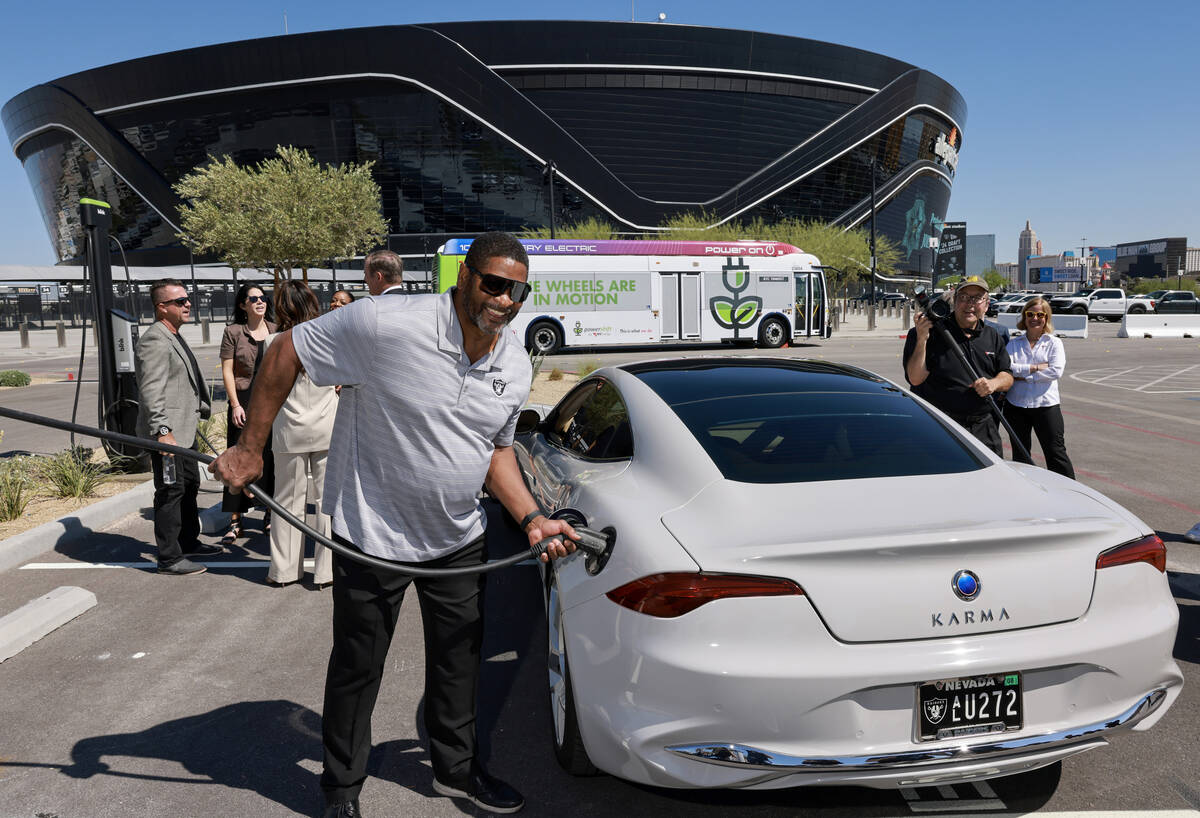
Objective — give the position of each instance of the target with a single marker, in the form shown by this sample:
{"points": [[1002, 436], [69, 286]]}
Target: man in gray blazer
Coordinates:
{"points": [[173, 399]]}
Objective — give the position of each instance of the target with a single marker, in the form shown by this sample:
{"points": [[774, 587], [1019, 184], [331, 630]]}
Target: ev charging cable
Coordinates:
{"points": [[595, 544]]}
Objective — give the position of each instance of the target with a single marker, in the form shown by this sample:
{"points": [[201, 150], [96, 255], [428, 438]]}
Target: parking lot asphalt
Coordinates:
{"points": [[199, 696]]}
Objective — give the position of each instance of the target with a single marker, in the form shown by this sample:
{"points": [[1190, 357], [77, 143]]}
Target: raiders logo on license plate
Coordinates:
{"points": [[968, 706]]}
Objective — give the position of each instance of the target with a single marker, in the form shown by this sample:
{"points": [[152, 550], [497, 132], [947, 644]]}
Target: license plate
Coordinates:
{"points": [[968, 706]]}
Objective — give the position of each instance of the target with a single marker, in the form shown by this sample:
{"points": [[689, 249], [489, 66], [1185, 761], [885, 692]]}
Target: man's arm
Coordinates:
{"points": [[239, 465], [153, 357], [914, 365], [505, 484]]}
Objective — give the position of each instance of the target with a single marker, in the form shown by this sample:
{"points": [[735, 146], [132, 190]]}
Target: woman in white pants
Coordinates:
{"points": [[300, 439]]}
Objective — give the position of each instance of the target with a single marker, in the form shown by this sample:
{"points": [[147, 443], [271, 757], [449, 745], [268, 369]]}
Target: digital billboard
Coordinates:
{"points": [[1155, 258]]}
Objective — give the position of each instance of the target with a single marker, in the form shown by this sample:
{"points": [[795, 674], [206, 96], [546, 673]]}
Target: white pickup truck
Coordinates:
{"points": [[1095, 302]]}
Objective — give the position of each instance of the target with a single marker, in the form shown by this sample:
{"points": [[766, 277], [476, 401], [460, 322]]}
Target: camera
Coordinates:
{"points": [[935, 308]]}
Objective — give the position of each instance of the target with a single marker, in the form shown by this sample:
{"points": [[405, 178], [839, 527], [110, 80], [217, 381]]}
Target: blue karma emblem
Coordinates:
{"points": [[966, 585]]}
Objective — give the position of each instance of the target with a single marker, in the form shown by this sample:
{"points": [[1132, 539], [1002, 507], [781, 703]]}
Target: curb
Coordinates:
{"points": [[46, 537], [42, 616]]}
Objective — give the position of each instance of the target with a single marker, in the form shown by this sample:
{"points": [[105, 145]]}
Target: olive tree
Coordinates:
{"points": [[284, 213]]}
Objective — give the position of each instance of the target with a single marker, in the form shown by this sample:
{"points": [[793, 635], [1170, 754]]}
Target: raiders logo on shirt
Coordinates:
{"points": [[498, 387]]}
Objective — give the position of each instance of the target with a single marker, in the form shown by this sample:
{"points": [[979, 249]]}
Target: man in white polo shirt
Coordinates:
{"points": [[439, 381]]}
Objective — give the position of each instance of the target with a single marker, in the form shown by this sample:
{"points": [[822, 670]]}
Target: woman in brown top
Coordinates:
{"points": [[241, 353]]}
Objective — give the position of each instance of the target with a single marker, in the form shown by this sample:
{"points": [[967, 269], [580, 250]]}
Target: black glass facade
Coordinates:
{"points": [[461, 151]]}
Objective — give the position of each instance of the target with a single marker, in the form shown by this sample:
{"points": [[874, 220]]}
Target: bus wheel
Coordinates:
{"points": [[545, 338], [772, 333]]}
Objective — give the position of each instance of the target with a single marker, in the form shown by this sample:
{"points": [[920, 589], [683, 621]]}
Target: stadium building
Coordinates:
{"points": [[641, 122]]}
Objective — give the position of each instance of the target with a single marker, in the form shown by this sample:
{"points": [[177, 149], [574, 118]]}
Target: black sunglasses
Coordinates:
{"points": [[178, 302], [254, 299], [499, 285]]}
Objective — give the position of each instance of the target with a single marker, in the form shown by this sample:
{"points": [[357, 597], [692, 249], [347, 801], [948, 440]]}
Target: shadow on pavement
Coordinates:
{"points": [[249, 745]]}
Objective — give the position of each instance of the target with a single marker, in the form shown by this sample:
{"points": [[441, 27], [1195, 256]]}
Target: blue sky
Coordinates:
{"points": [[1083, 116]]}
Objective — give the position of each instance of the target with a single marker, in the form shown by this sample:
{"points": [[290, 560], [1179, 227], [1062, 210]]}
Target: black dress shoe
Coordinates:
{"points": [[346, 809], [182, 568], [483, 790], [204, 550]]}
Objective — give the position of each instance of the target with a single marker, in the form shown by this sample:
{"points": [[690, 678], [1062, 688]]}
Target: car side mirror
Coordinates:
{"points": [[528, 421]]}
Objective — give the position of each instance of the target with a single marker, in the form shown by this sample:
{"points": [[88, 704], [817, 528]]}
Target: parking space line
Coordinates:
{"points": [[1164, 377], [1135, 409], [1115, 375], [1133, 428]]}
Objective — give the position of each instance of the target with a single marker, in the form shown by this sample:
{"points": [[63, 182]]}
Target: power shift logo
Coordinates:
{"points": [[735, 312]]}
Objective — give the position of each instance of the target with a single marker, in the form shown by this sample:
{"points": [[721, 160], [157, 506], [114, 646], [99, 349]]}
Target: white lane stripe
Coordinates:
{"points": [[1137, 410], [1165, 377], [910, 794], [1117, 374], [947, 792]]}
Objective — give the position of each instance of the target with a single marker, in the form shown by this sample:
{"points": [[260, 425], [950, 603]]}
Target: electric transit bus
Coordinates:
{"points": [[607, 292]]}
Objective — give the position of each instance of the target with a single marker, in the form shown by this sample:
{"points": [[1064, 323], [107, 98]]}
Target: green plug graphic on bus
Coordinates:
{"points": [[735, 312]]}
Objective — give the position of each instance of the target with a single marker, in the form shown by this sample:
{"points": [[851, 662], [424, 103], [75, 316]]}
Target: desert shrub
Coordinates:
{"points": [[556, 374], [72, 474], [214, 429], [14, 377], [588, 367], [14, 492]]}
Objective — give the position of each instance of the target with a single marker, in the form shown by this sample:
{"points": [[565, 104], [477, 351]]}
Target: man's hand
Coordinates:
{"points": [[237, 467], [167, 439], [542, 527], [983, 387], [923, 325], [239, 416]]}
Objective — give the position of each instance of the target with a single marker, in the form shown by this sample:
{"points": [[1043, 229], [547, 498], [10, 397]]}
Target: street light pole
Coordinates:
{"points": [[871, 315], [548, 173]]}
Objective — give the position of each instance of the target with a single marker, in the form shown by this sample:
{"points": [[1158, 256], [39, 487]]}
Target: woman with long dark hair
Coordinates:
{"points": [[300, 440], [242, 348]]}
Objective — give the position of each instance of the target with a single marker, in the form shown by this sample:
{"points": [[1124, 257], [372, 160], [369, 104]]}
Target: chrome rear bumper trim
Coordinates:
{"points": [[746, 757]]}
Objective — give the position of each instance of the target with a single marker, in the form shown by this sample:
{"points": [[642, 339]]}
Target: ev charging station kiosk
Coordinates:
{"points": [[116, 336]]}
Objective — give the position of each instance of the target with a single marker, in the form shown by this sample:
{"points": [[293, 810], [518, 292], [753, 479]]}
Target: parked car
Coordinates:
{"points": [[757, 624], [1177, 301], [1108, 303], [1010, 302], [1075, 303], [1145, 302]]}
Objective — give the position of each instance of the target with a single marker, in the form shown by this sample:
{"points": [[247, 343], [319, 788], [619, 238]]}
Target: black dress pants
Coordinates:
{"points": [[176, 518], [366, 602], [1047, 421], [985, 429]]}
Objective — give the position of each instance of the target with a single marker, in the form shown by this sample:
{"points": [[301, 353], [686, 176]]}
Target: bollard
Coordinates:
{"points": [[837, 314], [871, 317], [204, 331], [907, 315], [61, 329], [24, 328]]}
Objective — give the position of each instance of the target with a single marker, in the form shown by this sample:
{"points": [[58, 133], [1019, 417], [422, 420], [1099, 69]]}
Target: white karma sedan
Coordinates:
{"points": [[816, 578]]}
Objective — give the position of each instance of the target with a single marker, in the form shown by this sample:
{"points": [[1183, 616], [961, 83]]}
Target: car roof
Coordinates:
{"points": [[681, 379]]}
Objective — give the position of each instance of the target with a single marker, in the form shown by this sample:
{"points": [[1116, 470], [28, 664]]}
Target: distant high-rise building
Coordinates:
{"points": [[1027, 245], [981, 253]]}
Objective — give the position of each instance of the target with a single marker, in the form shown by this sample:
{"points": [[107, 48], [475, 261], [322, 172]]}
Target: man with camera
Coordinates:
{"points": [[936, 373]]}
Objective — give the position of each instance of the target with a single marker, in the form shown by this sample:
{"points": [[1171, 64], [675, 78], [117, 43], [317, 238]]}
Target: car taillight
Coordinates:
{"points": [[1148, 549], [670, 595]]}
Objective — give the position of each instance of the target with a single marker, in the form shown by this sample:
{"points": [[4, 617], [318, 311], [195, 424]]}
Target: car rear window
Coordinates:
{"points": [[810, 437]]}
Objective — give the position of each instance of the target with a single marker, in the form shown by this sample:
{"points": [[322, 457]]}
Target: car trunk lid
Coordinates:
{"points": [[877, 557]]}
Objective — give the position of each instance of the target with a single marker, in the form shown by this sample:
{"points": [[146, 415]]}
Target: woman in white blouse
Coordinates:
{"points": [[1038, 360], [300, 438]]}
